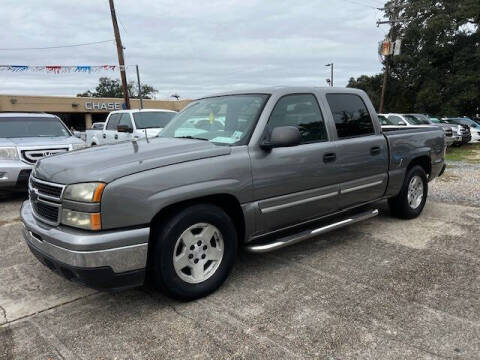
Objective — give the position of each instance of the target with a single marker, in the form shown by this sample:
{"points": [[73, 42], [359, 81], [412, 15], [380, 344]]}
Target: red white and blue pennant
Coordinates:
{"points": [[60, 69]]}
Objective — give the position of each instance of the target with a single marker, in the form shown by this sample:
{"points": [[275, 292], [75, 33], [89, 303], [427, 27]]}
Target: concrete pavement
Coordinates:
{"points": [[381, 289]]}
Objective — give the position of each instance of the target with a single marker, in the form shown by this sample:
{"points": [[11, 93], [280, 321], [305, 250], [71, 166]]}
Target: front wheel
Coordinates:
{"points": [[194, 251], [409, 203]]}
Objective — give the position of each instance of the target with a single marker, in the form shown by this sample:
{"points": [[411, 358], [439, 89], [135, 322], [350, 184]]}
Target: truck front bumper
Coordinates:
{"points": [[107, 260], [14, 175]]}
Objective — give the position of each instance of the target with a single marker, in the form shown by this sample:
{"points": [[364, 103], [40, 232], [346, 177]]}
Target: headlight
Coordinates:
{"points": [[87, 192], [8, 153], [459, 130], [89, 221], [79, 146]]}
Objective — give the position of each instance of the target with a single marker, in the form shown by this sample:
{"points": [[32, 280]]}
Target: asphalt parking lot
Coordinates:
{"points": [[380, 289]]}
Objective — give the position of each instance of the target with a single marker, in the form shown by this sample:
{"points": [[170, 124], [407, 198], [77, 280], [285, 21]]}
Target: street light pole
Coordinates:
{"points": [[331, 73], [139, 88]]}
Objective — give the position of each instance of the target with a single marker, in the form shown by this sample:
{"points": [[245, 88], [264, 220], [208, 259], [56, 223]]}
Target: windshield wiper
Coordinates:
{"points": [[190, 137]]}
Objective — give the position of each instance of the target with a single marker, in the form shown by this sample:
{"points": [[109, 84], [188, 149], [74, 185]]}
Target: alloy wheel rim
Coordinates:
{"points": [[198, 253], [415, 192]]}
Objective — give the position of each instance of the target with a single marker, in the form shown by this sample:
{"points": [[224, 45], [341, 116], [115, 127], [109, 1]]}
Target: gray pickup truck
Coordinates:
{"points": [[259, 169]]}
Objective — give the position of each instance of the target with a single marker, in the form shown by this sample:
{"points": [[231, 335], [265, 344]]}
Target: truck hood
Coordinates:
{"points": [[40, 141], [109, 162]]}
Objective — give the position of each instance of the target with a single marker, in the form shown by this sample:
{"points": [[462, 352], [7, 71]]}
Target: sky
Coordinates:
{"points": [[191, 48]]}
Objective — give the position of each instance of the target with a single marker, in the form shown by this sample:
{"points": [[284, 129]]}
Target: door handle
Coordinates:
{"points": [[116, 136], [330, 157], [104, 136], [375, 150]]}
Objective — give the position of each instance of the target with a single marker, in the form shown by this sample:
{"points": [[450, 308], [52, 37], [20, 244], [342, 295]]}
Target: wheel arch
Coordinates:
{"points": [[424, 161], [227, 202]]}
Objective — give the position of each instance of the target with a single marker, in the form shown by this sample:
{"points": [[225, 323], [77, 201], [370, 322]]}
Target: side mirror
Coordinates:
{"points": [[124, 129], [283, 136]]}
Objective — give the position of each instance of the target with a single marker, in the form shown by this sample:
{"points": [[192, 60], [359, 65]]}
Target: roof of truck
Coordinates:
{"points": [[281, 90]]}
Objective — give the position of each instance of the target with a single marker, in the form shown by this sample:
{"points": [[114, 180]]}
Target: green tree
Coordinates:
{"points": [[108, 87], [438, 71]]}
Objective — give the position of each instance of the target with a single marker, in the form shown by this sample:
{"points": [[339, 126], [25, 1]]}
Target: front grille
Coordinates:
{"points": [[45, 198], [448, 132], [32, 156], [47, 189], [46, 211]]}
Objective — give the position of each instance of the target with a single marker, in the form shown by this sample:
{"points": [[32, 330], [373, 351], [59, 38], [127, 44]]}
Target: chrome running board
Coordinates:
{"points": [[296, 238]]}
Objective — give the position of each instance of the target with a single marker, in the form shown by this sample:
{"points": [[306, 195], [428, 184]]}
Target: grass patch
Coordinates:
{"points": [[469, 153]]}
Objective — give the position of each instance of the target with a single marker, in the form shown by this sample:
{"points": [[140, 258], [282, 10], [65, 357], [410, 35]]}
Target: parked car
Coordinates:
{"points": [[451, 135], [410, 120], [462, 130], [473, 125], [289, 164], [98, 126], [24, 139], [129, 125]]}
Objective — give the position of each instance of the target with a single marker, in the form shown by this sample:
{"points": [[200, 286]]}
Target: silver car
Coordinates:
{"points": [[24, 139]]}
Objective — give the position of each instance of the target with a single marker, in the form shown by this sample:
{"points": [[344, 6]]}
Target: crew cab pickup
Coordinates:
{"points": [[260, 169], [129, 125]]}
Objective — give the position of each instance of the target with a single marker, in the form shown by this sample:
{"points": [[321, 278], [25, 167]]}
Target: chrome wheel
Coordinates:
{"points": [[415, 192], [198, 253]]}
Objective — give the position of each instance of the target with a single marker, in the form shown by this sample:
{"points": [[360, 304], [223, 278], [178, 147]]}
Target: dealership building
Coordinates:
{"points": [[79, 112]]}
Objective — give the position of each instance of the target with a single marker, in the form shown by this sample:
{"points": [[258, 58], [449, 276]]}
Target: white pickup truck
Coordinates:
{"points": [[129, 125]]}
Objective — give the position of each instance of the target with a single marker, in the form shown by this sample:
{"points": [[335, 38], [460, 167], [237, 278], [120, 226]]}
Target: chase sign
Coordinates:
{"points": [[105, 106]]}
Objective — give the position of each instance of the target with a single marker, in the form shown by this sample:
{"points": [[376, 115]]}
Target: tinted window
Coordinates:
{"points": [[16, 127], [154, 119], [113, 121], [351, 115], [125, 120], [301, 111]]}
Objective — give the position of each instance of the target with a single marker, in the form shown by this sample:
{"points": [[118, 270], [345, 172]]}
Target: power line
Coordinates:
{"points": [[57, 47], [361, 4]]}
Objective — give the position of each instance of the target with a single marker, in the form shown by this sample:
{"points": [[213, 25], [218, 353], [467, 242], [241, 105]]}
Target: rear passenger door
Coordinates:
{"points": [[298, 183], [361, 150], [108, 136]]}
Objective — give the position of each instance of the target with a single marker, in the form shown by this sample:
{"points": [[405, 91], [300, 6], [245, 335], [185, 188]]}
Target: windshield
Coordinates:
{"points": [[414, 120], [17, 127], [153, 119], [435, 120], [227, 120]]}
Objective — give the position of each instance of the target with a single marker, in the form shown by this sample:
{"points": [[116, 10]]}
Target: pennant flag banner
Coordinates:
{"points": [[61, 69]]}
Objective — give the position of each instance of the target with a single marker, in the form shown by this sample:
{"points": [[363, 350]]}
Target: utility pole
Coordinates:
{"points": [[121, 60], [391, 37], [139, 88], [331, 73]]}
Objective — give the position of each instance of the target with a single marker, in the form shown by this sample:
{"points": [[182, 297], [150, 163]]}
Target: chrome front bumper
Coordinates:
{"points": [[121, 251]]}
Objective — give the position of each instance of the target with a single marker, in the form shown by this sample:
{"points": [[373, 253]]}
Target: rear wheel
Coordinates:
{"points": [[409, 203], [194, 251]]}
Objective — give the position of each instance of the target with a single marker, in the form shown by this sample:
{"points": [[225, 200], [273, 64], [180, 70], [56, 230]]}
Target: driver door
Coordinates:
{"points": [[298, 183]]}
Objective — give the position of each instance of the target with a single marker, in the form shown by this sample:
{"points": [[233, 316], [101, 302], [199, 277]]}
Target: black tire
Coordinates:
{"points": [[399, 205], [165, 237]]}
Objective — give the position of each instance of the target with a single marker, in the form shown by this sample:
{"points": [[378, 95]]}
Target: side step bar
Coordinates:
{"points": [[295, 238]]}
